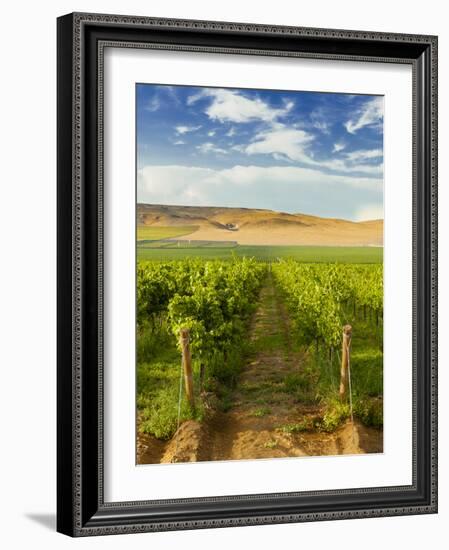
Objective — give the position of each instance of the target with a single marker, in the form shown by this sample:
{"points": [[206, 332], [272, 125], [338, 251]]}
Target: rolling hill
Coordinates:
{"points": [[247, 226]]}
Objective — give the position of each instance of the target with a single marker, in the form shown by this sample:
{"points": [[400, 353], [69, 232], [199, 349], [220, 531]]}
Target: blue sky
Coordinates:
{"points": [[309, 152]]}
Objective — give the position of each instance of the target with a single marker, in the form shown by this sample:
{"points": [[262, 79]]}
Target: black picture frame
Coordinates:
{"points": [[81, 510]]}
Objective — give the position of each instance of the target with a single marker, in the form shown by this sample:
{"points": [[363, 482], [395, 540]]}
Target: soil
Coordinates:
{"points": [[261, 411]]}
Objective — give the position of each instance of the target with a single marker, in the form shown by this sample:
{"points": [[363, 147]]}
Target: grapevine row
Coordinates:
{"points": [[212, 299], [319, 295]]}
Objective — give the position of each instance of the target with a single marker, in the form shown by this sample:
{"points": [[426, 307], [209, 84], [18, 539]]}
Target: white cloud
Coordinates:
{"points": [[343, 166], [291, 144], [196, 97], [358, 156], [322, 126], [210, 148], [339, 146], [370, 114], [232, 106], [251, 186], [211, 133], [239, 147], [171, 91], [231, 132], [153, 105], [185, 129], [179, 142], [370, 212], [172, 184], [284, 142], [320, 121]]}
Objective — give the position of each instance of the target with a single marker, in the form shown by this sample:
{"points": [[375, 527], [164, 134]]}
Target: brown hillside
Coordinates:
{"points": [[262, 227]]}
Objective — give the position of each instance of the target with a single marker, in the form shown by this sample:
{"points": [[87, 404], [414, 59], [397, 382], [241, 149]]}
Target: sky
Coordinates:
{"points": [[299, 152]]}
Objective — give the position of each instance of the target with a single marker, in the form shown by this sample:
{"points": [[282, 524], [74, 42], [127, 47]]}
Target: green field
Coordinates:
{"points": [[182, 245], [151, 233], [308, 254]]}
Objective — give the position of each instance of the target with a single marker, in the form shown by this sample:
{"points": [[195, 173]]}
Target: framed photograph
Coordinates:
{"points": [[247, 274]]}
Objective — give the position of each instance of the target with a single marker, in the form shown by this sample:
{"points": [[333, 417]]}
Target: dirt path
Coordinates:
{"points": [[263, 419]]}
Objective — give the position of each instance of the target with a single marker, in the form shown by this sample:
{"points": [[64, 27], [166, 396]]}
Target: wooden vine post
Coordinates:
{"points": [[344, 375], [184, 339]]}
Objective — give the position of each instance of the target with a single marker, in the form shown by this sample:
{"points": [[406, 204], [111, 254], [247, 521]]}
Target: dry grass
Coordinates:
{"points": [[260, 227]]}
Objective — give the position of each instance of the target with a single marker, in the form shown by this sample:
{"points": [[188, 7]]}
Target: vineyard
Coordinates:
{"points": [[264, 349], [320, 297]]}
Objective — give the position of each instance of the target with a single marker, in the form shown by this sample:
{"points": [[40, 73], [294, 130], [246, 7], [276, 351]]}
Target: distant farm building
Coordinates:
{"points": [[232, 226]]}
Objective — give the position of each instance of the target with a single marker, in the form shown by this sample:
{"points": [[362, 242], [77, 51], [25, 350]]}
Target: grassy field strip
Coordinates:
{"points": [[308, 254], [153, 233], [174, 243]]}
